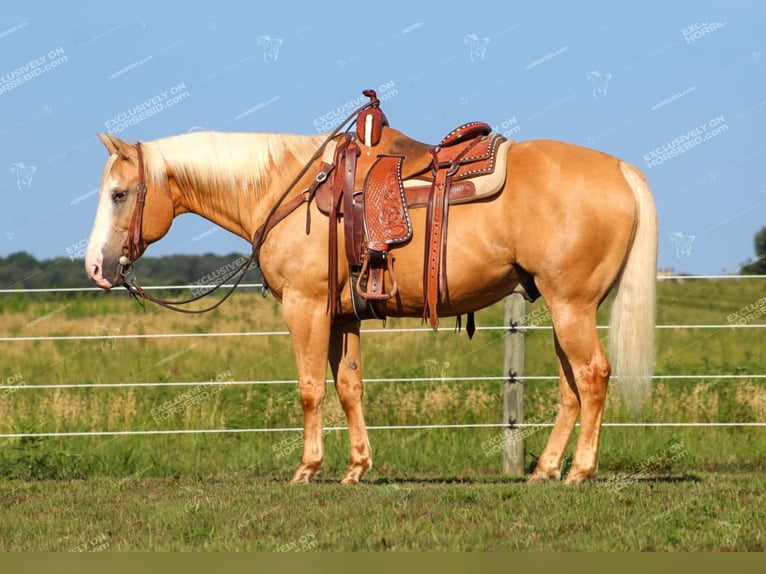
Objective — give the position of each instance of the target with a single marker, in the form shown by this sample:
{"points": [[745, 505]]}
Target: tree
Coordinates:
{"points": [[758, 265]]}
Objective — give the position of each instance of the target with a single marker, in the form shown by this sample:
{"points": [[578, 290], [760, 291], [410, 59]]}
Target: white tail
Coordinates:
{"points": [[632, 321]]}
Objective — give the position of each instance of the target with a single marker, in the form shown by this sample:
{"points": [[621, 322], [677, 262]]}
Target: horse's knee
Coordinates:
{"points": [[349, 383], [312, 394], [350, 391]]}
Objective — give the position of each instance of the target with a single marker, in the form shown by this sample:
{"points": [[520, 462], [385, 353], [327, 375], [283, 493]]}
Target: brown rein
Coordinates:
{"points": [[277, 213]]}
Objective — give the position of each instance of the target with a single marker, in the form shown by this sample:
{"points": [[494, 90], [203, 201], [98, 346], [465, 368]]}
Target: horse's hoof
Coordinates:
{"points": [[539, 476], [355, 472], [575, 477], [303, 476]]}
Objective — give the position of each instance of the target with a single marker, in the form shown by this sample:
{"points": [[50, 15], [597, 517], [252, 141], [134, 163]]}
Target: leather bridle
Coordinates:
{"points": [[131, 250]]}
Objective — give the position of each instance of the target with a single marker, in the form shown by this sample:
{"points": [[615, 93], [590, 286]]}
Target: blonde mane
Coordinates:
{"points": [[221, 165]]}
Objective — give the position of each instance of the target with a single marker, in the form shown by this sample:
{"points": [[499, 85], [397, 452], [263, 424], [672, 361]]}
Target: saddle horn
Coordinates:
{"points": [[370, 122]]}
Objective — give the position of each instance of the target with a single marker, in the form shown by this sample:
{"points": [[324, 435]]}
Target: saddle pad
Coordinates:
{"points": [[386, 219], [477, 187], [479, 160]]}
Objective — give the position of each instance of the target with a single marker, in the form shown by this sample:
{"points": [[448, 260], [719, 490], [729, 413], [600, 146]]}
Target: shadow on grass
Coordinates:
{"points": [[501, 480]]}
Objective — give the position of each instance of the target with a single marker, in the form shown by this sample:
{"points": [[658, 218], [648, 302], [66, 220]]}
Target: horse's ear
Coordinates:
{"points": [[107, 144], [116, 145]]}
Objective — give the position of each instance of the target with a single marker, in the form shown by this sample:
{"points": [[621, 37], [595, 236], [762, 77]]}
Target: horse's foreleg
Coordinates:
{"points": [[346, 364], [549, 464], [310, 332]]}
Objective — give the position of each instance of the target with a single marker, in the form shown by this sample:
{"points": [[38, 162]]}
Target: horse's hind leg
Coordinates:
{"points": [[585, 370], [550, 461], [346, 364]]}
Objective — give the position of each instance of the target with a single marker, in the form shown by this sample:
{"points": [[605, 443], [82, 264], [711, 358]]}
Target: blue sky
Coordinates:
{"points": [[677, 88]]}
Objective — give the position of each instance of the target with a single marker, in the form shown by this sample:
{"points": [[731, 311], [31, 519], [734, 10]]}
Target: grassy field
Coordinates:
{"points": [[704, 511], [660, 488]]}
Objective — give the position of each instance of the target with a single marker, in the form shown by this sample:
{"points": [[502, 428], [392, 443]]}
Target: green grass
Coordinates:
{"points": [[428, 489], [690, 512]]}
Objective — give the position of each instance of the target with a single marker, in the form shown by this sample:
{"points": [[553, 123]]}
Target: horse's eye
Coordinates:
{"points": [[119, 196]]}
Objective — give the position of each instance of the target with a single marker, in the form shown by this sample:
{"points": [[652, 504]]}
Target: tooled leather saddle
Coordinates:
{"points": [[376, 175]]}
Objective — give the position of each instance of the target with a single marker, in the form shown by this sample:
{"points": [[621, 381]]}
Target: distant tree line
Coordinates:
{"points": [[23, 271], [758, 265]]}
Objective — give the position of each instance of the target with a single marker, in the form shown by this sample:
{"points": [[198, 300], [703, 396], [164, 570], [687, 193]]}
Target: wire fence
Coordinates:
{"points": [[441, 379]]}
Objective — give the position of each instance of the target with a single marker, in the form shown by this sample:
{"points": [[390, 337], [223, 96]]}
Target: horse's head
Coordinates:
{"points": [[109, 245]]}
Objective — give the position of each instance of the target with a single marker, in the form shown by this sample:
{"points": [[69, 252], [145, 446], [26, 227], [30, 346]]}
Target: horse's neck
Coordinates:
{"points": [[254, 184]]}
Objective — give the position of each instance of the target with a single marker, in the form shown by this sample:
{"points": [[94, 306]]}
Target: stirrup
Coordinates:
{"points": [[380, 273]]}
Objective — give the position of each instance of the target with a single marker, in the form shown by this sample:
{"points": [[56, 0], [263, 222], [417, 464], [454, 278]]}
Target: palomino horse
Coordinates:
{"points": [[578, 222]]}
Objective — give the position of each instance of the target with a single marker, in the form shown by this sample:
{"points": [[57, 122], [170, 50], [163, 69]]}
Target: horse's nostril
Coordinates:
{"points": [[96, 271]]}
